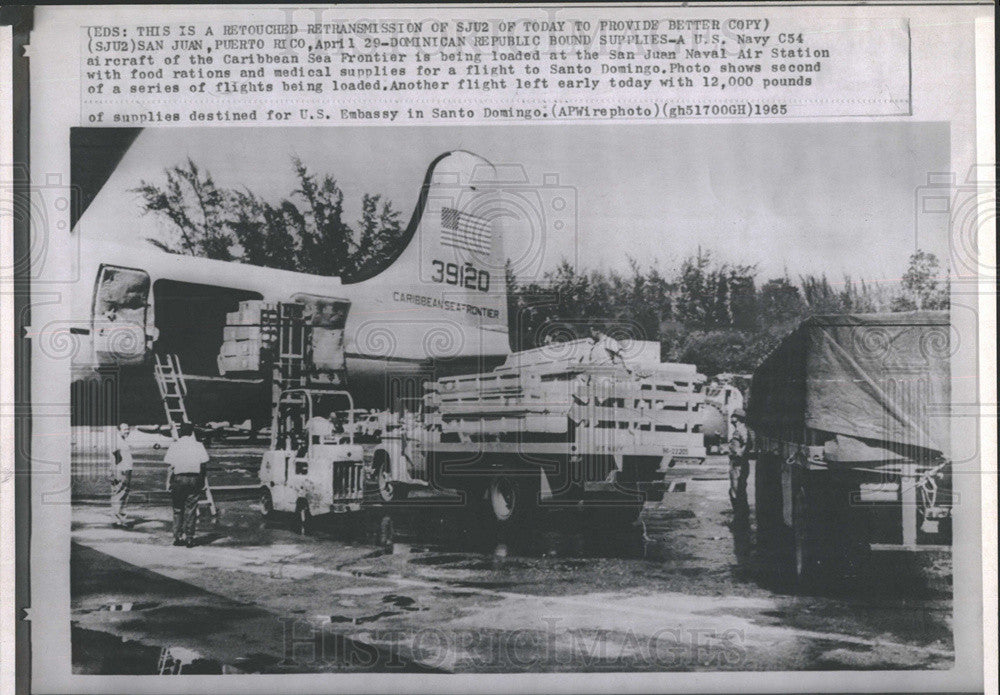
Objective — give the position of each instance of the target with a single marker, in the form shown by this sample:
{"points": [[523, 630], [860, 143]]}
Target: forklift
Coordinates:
{"points": [[313, 466], [305, 474]]}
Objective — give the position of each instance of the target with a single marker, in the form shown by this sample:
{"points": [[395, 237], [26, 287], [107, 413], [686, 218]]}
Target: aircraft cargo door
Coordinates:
{"points": [[190, 318], [119, 315]]}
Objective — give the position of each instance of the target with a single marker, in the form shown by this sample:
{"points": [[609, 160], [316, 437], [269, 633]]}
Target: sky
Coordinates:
{"points": [[797, 198]]}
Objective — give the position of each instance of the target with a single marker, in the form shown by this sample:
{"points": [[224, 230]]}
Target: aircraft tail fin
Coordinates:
{"points": [[451, 263]]}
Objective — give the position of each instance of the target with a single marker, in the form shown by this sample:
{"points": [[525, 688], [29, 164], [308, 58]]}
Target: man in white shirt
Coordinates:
{"points": [[605, 350], [121, 475], [187, 459]]}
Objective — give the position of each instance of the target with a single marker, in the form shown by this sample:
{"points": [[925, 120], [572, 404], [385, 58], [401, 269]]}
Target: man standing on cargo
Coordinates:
{"points": [[605, 349], [187, 459], [121, 475], [740, 450]]}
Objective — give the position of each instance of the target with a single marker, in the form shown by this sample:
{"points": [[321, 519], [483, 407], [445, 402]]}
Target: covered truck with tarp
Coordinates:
{"points": [[852, 450]]}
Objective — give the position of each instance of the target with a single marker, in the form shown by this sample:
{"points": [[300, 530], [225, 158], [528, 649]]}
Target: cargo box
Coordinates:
{"points": [[241, 333], [328, 349], [238, 363], [232, 348], [250, 312]]}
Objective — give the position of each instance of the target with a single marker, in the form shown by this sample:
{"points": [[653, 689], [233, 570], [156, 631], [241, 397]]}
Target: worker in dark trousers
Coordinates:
{"points": [[188, 460], [121, 475], [740, 450]]}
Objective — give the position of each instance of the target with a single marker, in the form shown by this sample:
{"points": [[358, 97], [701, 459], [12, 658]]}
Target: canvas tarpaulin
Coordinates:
{"points": [[871, 376]]}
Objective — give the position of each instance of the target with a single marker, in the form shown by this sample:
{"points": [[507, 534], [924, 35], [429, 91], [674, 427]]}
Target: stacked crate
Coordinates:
{"points": [[565, 393], [247, 337]]}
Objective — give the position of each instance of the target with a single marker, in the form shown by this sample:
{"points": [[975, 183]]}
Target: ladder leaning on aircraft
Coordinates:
{"points": [[170, 382]]}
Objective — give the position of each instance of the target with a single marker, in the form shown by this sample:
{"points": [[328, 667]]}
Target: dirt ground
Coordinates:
{"points": [[426, 585]]}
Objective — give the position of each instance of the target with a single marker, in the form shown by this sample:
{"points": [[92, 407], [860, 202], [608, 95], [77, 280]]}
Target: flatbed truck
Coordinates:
{"points": [[558, 425]]}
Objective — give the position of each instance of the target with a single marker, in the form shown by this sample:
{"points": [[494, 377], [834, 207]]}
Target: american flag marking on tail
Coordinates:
{"points": [[461, 230]]}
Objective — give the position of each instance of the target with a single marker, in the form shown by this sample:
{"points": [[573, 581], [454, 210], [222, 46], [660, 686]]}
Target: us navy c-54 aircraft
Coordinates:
{"points": [[439, 307]]}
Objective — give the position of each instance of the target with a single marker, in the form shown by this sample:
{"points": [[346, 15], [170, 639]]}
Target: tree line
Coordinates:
{"points": [[718, 316], [306, 231]]}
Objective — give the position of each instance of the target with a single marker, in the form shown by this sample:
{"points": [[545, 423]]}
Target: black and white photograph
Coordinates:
{"points": [[510, 400], [519, 348]]}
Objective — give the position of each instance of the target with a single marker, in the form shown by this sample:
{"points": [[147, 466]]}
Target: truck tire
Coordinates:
{"points": [[388, 489], [804, 557], [511, 500], [767, 500], [624, 514], [266, 503], [831, 542], [816, 531], [852, 543]]}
